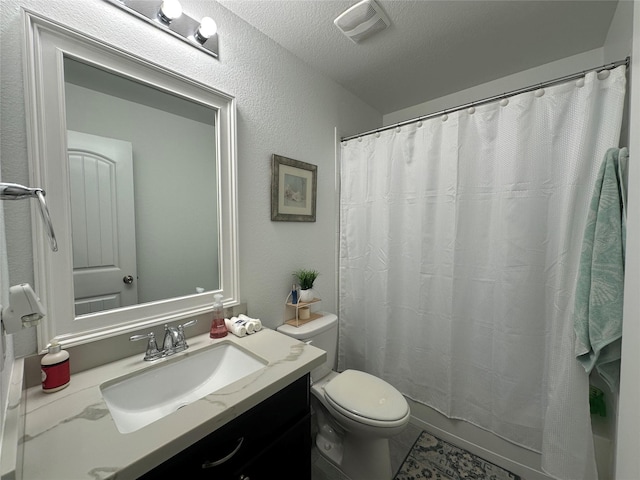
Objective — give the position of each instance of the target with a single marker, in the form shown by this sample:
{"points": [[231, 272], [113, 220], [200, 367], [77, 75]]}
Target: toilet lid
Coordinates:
{"points": [[366, 396]]}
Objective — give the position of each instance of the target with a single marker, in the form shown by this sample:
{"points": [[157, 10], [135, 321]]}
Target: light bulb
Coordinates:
{"points": [[170, 10], [208, 27], [206, 30]]}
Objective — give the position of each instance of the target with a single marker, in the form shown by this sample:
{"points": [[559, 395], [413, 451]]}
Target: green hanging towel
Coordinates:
{"points": [[599, 291]]}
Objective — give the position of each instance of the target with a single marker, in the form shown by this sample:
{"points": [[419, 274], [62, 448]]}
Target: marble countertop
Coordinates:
{"points": [[71, 435]]}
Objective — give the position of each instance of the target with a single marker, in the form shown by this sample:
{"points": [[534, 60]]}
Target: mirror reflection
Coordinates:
{"points": [[144, 202]]}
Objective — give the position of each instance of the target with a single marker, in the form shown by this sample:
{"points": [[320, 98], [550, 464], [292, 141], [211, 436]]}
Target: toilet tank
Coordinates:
{"points": [[321, 333]]}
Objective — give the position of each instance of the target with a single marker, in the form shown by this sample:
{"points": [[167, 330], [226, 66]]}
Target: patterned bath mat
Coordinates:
{"points": [[432, 458]]}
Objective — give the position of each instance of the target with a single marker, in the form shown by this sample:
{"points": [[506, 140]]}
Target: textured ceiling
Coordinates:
{"points": [[433, 47]]}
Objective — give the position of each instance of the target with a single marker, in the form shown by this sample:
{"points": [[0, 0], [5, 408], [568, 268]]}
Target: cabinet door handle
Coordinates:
{"points": [[215, 463]]}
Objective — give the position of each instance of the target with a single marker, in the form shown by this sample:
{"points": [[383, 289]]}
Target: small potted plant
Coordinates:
{"points": [[305, 280]]}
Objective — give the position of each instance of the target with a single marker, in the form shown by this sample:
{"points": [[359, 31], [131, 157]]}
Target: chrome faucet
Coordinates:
{"points": [[174, 341], [171, 340]]}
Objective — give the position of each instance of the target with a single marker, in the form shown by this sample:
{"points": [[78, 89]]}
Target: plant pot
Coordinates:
{"points": [[306, 295]]}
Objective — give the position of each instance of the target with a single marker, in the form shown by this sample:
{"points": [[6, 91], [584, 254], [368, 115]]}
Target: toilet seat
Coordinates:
{"points": [[367, 399]]}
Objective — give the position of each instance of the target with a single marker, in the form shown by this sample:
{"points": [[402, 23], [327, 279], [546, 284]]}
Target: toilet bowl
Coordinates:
{"points": [[356, 412]]}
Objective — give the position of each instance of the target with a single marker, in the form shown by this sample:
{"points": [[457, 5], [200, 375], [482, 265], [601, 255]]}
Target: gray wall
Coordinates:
{"points": [[627, 461], [617, 46]]}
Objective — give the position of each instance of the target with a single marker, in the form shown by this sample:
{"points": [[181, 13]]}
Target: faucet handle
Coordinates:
{"points": [[182, 341], [152, 352], [190, 323]]}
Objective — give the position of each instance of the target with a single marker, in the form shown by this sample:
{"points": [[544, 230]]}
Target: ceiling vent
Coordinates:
{"points": [[362, 20]]}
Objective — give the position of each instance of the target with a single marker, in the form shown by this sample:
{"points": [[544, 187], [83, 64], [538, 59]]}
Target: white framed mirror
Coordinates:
{"points": [[139, 168]]}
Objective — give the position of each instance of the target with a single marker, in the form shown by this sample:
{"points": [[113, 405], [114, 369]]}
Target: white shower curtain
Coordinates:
{"points": [[459, 244]]}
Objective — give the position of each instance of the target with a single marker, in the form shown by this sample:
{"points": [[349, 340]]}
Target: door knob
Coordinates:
{"points": [[128, 279]]}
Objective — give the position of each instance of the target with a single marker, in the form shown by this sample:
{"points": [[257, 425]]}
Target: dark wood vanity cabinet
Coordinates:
{"points": [[272, 440]]}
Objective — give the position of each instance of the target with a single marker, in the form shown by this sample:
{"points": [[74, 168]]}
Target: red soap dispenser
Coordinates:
{"points": [[55, 369], [218, 327]]}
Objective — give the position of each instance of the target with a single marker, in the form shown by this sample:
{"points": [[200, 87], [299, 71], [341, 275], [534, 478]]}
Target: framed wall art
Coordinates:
{"points": [[293, 190]]}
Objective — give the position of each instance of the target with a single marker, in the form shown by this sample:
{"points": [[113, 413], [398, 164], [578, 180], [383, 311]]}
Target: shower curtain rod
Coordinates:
{"points": [[566, 78]]}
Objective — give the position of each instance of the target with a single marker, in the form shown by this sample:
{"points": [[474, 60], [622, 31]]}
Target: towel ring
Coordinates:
{"points": [[14, 191]]}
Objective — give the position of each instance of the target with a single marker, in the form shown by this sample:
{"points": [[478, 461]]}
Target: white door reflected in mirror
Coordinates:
{"points": [[103, 222]]}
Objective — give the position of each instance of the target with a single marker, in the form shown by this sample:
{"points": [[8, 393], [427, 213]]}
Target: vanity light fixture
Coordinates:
{"points": [[168, 16]]}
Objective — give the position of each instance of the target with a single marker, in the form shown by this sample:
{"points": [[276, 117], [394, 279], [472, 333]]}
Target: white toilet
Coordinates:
{"points": [[356, 412]]}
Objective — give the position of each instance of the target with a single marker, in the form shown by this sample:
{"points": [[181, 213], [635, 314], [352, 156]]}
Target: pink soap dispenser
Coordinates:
{"points": [[218, 327]]}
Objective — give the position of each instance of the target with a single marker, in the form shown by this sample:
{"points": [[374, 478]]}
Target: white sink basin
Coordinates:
{"points": [[141, 398]]}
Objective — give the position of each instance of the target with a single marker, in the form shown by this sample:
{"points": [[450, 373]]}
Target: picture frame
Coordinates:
{"points": [[293, 190]]}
